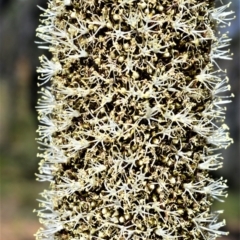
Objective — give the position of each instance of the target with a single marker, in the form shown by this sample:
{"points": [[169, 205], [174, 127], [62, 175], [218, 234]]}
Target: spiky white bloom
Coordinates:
{"points": [[129, 125]]}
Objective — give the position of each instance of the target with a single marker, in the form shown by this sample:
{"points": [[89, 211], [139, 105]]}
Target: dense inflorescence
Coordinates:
{"points": [[132, 120]]}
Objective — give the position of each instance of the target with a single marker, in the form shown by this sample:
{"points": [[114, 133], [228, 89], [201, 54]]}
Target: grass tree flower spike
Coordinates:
{"points": [[131, 117]]}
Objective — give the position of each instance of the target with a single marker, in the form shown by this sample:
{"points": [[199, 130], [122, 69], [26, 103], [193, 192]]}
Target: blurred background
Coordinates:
{"points": [[18, 122]]}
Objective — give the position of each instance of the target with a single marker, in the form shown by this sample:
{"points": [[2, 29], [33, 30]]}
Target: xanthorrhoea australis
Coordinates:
{"points": [[132, 119]]}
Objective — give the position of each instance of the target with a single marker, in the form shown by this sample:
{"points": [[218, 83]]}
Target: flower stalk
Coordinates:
{"points": [[131, 119]]}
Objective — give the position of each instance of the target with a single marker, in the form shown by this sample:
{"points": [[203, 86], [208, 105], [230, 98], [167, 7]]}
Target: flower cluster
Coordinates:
{"points": [[129, 126]]}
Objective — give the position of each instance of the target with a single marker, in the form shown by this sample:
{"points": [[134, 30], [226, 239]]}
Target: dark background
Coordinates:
{"points": [[18, 122]]}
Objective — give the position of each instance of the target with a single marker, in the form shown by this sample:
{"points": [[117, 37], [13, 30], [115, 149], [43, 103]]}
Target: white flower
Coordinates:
{"points": [[48, 69], [219, 14]]}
